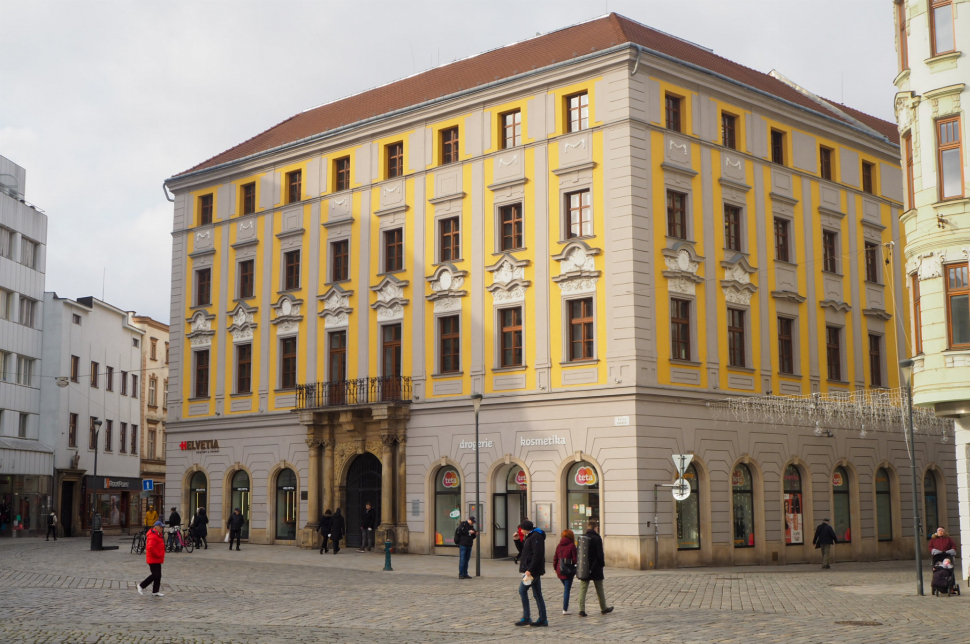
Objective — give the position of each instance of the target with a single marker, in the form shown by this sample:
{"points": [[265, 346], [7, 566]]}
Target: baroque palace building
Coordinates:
{"points": [[601, 230], [932, 42]]}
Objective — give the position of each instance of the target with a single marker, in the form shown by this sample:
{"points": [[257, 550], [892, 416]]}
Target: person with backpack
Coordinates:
{"points": [[336, 529], [564, 563], [465, 535], [324, 529], [533, 565], [597, 561]]}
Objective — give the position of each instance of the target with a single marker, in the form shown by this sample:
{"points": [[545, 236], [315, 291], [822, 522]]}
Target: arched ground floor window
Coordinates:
{"points": [[582, 497], [689, 514]]}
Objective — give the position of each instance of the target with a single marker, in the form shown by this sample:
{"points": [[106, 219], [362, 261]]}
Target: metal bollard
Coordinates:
{"points": [[387, 555]]}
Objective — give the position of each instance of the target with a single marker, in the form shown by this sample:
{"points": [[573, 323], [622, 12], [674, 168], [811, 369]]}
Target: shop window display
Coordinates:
{"points": [[884, 506], [688, 515], [794, 520], [840, 505], [930, 503], [24, 505], [743, 493], [447, 506], [582, 496], [286, 501]]}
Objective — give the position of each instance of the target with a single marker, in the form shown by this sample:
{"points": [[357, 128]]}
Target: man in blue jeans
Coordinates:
{"points": [[532, 562], [466, 538]]}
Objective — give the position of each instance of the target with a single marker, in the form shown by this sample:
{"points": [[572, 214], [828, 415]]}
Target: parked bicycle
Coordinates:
{"points": [[138, 542], [179, 541]]}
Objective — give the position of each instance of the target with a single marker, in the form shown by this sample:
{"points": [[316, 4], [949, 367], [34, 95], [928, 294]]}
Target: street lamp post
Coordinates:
{"points": [[477, 403], [906, 367], [96, 534]]}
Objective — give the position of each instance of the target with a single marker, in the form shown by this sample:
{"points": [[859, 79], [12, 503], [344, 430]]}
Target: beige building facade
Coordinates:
{"points": [[154, 408]]}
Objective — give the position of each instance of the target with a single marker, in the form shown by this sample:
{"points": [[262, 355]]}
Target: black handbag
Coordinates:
{"points": [[567, 567]]}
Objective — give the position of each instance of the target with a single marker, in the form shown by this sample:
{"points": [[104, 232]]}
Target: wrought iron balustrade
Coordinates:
{"points": [[362, 391]]}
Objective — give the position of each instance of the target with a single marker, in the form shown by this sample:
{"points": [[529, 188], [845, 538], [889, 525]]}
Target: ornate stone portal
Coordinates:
{"points": [[337, 436]]}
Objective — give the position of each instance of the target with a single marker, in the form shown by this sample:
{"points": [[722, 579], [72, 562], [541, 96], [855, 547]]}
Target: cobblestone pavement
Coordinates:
{"points": [[62, 592]]}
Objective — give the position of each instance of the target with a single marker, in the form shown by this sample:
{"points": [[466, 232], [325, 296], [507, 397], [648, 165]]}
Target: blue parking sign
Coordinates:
{"points": [[147, 485]]}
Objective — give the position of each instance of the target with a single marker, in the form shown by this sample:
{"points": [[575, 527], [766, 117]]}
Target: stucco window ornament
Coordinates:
{"points": [[336, 307], [288, 316], [682, 263], [200, 334], [242, 322], [508, 279], [577, 268], [390, 298], [736, 285], [906, 104], [446, 287], [930, 265]]}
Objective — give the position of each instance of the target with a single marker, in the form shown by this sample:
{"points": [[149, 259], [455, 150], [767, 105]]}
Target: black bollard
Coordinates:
{"points": [[387, 555]]}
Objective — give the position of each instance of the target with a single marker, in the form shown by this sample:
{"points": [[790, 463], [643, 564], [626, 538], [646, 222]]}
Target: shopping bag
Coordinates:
{"points": [[226, 540]]}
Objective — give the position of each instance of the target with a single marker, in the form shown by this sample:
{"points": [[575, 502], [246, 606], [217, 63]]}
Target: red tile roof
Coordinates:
{"points": [[497, 64]]}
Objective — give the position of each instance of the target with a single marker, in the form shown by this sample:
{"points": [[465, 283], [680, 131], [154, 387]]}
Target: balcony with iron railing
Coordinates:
{"points": [[352, 393]]}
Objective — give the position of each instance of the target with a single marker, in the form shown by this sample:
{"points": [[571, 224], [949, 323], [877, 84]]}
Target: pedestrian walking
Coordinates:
{"points": [[824, 538], [564, 563], [154, 557], [597, 562], [150, 518], [336, 529], [368, 521], [533, 564], [324, 529], [941, 546], [52, 526], [465, 538], [517, 539], [174, 521], [235, 525], [199, 530]]}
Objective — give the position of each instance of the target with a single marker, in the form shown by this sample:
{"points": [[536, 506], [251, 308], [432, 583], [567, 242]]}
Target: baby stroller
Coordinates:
{"points": [[944, 580]]}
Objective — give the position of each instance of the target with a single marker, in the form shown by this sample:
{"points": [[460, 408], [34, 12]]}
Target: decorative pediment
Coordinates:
{"points": [[845, 307], [242, 322], [788, 296], [201, 331], [682, 263], [288, 316], [336, 307], [508, 279], [446, 287], [390, 298], [577, 268], [881, 314], [736, 285]]}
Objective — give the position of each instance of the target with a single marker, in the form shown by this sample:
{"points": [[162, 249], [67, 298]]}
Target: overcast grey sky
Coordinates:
{"points": [[103, 100]]}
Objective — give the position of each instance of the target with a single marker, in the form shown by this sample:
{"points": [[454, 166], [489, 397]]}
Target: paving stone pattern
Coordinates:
{"points": [[62, 592]]}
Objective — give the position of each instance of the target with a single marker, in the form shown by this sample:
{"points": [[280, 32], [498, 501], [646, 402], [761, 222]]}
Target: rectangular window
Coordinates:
{"points": [[577, 112], [5, 366], [450, 338], [449, 145], [288, 363], [786, 346], [153, 352], [151, 445], [450, 239], [92, 434], [341, 173], [875, 360], [676, 214], [581, 329], [124, 383], [872, 261], [205, 210], [830, 256], [123, 437], [672, 112], [28, 252], [833, 352], [201, 374], [393, 250], [25, 371], [512, 226], [732, 227], [680, 329], [27, 311], [94, 374], [340, 261], [6, 304], [511, 129], [958, 305], [728, 130], [778, 147], [247, 279], [108, 438], [109, 376], [291, 264], [395, 160], [134, 439], [949, 155], [203, 287], [6, 242], [152, 391], [134, 342], [941, 26], [294, 186], [134, 384], [249, 198], [917, 317], [867, 170], [391, 350], [166, 353], [338, 356], [910, 190], [579, 212], [22, 425], [510, 341], [736, 355], [75, 368], [72, 430], [781, 240], [901, 34], [244, 369], [165, 394], [825, 162]]}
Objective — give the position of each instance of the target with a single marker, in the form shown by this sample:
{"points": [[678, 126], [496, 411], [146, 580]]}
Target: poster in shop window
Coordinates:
{"points": [[794, 530]]}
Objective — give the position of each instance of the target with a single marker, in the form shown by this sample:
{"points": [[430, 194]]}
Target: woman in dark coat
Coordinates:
{"points": [[336, 529], [199, 529], [324, 529]]}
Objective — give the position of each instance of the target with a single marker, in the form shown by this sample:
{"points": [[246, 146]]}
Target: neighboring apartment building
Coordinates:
{"points": [[154, 406], [92, 373], [933, 42], [600, 230], [26, 447]]}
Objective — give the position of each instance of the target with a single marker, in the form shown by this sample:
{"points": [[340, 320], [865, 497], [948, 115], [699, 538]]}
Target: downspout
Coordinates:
{"points": [[637, 64], [165, 190]]}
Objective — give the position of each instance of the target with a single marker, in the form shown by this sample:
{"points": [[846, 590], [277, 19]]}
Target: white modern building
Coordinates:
{"points": [[90, 396], [26, 446], [932, 41]]}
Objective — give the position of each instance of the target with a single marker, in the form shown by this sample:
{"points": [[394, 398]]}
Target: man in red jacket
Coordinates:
{"points": [[155, 557], [941, 546]]}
